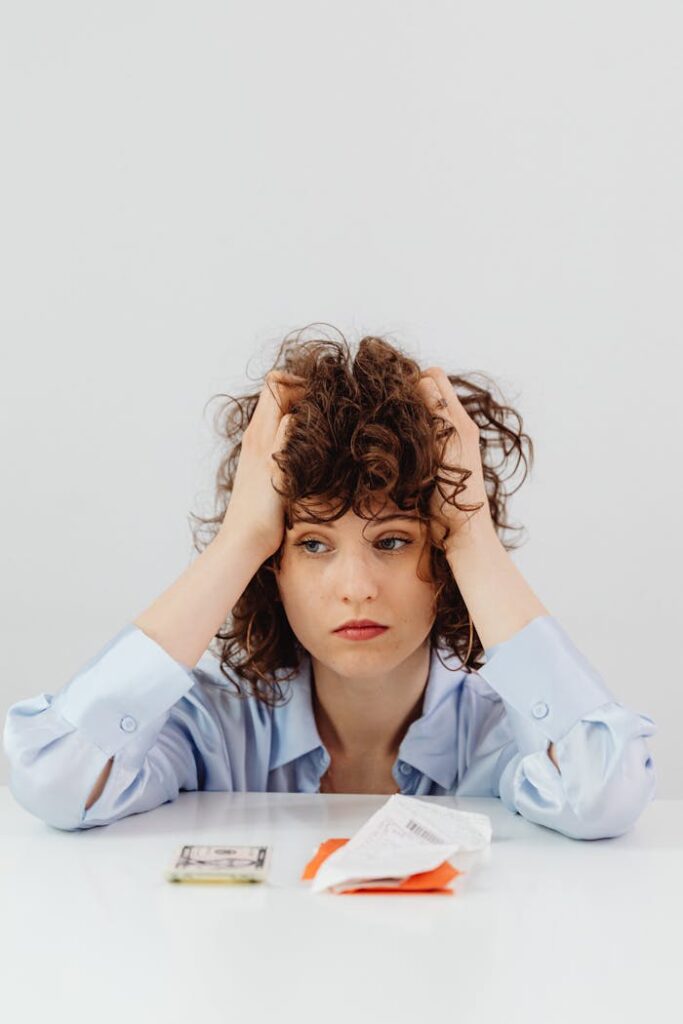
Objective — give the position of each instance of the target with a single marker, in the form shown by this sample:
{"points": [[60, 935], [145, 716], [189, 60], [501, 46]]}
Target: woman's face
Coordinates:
{"points": [[331, 573]]}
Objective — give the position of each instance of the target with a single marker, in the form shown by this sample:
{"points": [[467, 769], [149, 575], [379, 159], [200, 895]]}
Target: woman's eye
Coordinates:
{"points": [[401, 539], [384, 540], [302, 544]]}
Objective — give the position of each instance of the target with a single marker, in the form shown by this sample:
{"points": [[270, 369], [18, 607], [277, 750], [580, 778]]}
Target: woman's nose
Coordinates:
{"points": [[355, 577]]}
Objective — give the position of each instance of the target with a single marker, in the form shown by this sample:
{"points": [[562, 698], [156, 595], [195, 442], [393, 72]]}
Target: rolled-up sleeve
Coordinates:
{"points": [[552, 693], [118, 705]]}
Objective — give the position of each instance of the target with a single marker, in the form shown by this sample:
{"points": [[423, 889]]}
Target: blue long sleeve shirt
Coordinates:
{"points": [[170, 728]]}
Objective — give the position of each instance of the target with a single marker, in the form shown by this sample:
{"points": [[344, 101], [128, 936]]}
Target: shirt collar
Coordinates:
{"points": [[428, 745]]}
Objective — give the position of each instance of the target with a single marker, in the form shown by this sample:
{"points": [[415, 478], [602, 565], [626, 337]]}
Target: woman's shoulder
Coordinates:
{"points": [[219, 686], [477, 688]]}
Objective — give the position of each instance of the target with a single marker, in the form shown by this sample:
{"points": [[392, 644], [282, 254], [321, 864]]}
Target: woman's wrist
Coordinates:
{"points": [[236, 537]]}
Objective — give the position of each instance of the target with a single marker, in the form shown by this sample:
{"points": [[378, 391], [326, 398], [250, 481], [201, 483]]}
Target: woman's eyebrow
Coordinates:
{"points": [[396, 515], [377, 519]]}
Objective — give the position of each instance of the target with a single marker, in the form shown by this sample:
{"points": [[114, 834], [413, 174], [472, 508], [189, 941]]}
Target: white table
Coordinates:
{"points": [[546, 928]]}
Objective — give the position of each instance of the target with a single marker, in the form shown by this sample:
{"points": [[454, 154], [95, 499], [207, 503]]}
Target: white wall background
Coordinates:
{"points": [[497, 185]]}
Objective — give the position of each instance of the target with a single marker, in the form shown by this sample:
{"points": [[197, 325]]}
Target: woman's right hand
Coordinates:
{"points": [[256, 510]]}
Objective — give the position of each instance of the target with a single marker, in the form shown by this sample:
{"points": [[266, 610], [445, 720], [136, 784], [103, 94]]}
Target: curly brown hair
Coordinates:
{"points": [[360, 433]]}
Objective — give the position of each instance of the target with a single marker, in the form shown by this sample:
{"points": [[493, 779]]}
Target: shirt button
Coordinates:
{"points": [[540, 710], [405, 769], [128, 723]]}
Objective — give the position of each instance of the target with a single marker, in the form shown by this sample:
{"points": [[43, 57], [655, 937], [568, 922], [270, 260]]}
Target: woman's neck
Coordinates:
{"points": [[368, 716]]}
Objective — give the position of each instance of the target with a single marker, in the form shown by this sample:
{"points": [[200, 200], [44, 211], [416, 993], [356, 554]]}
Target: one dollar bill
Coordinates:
{"points": [[229, 864]]}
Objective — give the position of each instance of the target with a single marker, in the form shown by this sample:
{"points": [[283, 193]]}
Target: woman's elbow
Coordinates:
{"points": [[54, 809], [619, 804]]}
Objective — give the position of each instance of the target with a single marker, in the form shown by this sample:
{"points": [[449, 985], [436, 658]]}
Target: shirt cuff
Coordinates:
{"points": [[543, 676], [123, 688]]}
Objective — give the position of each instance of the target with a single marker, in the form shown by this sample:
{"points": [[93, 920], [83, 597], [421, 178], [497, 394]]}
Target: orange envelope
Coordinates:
{"points": [[435, 881]]}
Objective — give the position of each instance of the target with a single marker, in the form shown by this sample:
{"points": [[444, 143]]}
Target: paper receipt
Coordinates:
{"points": [[405, 836]]}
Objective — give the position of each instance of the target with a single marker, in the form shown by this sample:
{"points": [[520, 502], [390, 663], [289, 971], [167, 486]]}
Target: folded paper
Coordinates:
{"points": [[407, 838]]}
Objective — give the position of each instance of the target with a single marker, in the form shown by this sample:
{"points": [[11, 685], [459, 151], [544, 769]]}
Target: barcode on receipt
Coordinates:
{"points": [[423, 832]]}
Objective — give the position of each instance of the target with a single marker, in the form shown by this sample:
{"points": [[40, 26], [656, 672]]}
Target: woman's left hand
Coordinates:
{"points": [[462, 450]]}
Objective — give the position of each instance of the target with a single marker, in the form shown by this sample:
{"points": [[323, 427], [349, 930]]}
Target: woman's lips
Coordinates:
{"points": [[360, 632]]}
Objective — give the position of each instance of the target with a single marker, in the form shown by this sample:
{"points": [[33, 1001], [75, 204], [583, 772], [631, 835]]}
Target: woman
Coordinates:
{"points": [[354, 491]]}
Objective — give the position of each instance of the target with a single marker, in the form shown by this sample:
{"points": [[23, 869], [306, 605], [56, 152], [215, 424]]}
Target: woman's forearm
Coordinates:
{"points": [[497, 596], [186, 616]]}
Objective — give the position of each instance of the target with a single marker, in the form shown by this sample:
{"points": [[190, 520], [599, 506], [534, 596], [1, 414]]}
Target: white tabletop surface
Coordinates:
{"points": [[543, 928]]}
